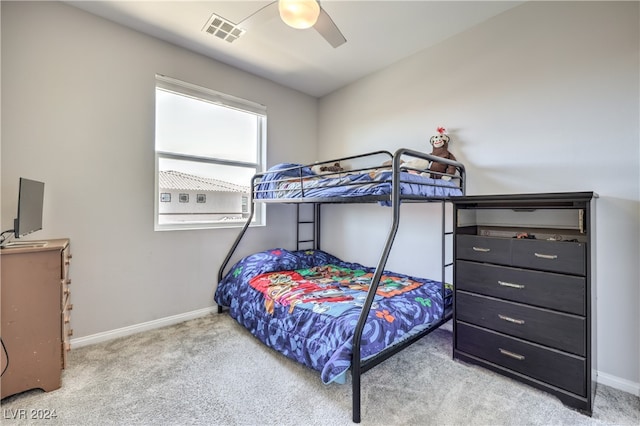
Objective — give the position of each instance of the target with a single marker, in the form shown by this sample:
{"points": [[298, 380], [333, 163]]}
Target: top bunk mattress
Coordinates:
{"points": [[295, 181]]}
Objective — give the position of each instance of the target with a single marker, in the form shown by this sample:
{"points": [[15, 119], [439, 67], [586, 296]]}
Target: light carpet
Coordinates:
{"points": [[210, 371]]}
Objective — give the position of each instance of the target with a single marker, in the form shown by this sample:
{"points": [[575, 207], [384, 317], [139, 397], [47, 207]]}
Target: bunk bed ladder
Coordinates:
{"points": [[446, 265], [308, 238]]}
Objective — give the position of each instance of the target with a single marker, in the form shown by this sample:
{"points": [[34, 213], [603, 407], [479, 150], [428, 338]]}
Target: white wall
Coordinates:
{"points": [[78, 114], [541, 98]]}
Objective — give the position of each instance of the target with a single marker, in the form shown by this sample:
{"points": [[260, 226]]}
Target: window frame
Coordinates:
{"points": [[179, 87]]}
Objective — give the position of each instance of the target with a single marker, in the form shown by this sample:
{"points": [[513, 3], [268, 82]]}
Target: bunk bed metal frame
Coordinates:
{"points": [[358, 365]]}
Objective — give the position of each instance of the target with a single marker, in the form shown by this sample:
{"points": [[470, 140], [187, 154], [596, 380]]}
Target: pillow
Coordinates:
{"points": [[311, 258], [277, 259], [291, 169]]}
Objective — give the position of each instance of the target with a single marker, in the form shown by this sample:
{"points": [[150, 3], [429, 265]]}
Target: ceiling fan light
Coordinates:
{"points": [[299, 14]]}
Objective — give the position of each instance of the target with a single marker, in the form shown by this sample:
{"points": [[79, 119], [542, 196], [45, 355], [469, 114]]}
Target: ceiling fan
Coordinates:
{"points": [[300, 14]]}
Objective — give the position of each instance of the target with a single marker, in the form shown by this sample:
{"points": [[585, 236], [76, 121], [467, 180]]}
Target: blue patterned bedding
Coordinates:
{"points": [[288, 180], [305, 304]]}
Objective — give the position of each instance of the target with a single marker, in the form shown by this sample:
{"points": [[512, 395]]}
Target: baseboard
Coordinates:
{"points": [[137, 328], [603, 378], [619, 383]]}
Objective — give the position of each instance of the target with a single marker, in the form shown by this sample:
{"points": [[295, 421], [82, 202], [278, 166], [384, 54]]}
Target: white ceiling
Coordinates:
{"points": [[378, 34]]}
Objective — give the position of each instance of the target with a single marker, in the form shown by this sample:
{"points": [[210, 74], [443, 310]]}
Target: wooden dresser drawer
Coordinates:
{"points": [[66, 292], [556, 368], [483, 249], [66, 261], [556, 256], [561, 331], [554, 291]]}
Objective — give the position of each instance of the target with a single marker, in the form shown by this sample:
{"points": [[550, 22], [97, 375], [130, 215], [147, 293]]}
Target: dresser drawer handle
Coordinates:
{"points": [[513, 320], [546, 256], [481, 249], [508, 284], [511, 354]]}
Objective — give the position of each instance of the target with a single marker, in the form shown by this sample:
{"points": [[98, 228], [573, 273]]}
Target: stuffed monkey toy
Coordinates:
{"points": [[440, 143]]}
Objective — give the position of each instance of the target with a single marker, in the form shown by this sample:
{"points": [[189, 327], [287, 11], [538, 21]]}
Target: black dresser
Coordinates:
{"points": [[524, 301]]}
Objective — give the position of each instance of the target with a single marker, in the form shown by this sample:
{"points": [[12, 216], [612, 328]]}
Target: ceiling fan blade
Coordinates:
{"points": [[329, 30], [261, 16]]}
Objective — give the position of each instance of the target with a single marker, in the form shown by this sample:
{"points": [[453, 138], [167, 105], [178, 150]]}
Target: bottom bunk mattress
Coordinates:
{"points": [[306, 304]]}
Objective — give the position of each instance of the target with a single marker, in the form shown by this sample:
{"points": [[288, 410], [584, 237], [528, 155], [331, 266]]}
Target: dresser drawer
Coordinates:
{"points": [[67, 332], [483, 249], [558, 330], [544, 289], [556, 256], [66, 292], [550, 366], [66, 261]]}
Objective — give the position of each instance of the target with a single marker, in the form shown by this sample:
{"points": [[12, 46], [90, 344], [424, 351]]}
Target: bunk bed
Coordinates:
{"points": [[329, 314]]}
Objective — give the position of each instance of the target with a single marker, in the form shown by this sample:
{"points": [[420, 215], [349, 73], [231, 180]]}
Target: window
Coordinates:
{"points": [[208, 146]]}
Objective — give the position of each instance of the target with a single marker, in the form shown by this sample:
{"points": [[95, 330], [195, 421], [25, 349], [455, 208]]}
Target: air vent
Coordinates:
{"points": [[223, 28]]}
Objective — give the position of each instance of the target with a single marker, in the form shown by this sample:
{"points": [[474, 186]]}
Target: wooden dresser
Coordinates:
{"points": [[524, 301], [35, 316]]}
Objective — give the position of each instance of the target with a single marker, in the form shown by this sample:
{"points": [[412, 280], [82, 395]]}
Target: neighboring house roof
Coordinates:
{"points": [[172, 179]]}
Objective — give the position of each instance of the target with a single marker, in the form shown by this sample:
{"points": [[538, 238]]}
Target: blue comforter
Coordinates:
{"points": [[305, 304], [284, 182]]}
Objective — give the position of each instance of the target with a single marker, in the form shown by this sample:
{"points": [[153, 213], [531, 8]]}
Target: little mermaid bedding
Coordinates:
{"points": [[306, 304]]}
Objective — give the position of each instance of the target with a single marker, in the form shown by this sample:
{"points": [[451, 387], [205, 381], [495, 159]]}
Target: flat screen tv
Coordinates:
{"points": [[30, 205]]}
